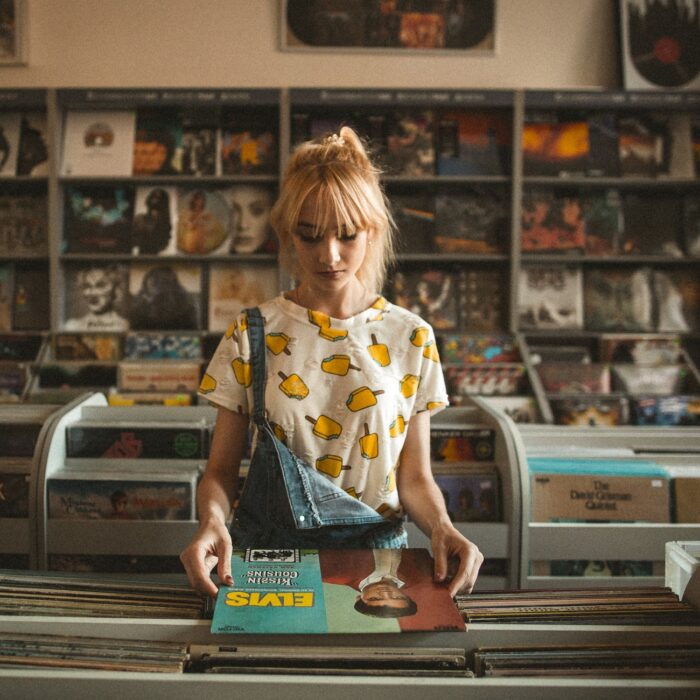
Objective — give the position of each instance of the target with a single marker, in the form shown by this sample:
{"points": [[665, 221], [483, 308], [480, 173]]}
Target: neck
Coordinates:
{"points": [[343, 304]]}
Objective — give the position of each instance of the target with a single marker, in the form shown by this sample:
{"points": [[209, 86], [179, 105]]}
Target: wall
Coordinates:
{"points": [[222, 43]]}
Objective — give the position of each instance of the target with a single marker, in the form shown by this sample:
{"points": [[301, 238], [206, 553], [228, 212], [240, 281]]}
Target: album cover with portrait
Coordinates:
{"points": [[9, 145], [432, 294], [552, 222], [33, 155], [249, 208], [203, 220], [23, 225], [155, 220], [248, 143], [157, 143], [550, 298]]}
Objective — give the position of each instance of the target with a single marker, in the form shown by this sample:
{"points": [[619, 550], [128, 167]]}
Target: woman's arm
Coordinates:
{"points": [[217, 490], [421, 498]]}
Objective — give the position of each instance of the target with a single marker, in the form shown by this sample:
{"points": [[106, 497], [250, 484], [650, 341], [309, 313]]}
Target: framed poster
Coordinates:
{"points": [[388, 25], [13, 23], [660, 44]]}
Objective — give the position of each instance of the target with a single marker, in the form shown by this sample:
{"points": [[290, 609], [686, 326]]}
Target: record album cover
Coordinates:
{"points": [[32, 159], [555, 148], [574, 377], [98, 142], [30, 310], [641, 350], [550, 298], [409, 143], [367, 591], [451, 445], [23, 226], [249, 144], [470, 496], [86, 346], [432, 294], [249, 219], [9, 143], [520, 409], [590, 410], [96, 298], [642, 144], [157, 346], [677, 298], [414, 215], [483, 380], [203, 220], [652, 224], [157, 148], [199, 145], [475, 348], [481, 300], [155, 221], [552, 222], [7, 289], [691, 224], [602, 213]]}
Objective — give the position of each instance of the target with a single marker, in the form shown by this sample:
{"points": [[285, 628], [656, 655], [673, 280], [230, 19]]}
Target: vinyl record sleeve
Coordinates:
{"points": [[9, 143]]}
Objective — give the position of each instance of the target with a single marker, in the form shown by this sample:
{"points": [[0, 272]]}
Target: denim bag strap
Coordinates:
{"points": [[256, 334]]}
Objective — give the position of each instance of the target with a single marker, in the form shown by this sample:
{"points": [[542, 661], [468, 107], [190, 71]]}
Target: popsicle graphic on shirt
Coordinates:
{"points": [[323, 321], [325, 427], [409, 385], [277, 343], [420, 336], [397, 426], [208, 384], [362, 398], [279, 432], [379, 352], [430, 351], [293, 386], [369, 444], [242, 371], [331, 465], [338, 364], [231, 330], [380, 306]]}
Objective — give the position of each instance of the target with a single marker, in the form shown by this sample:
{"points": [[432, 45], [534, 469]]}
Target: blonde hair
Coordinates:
{"points": [[339, 172]]}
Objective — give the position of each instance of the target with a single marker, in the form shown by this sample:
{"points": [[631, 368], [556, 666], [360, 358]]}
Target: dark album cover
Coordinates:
{"points": [[550, 298], [9, 143], [520, 409], [603, 160], [475, 222], [248, 144], [552, 222], [602, 213], [590, 410], [14, 495], [481, 300], [473, 143], [470, 497], [574, 377], [98, 219], [450, 445], [652, 224], [409, 143], [86, 346], [432, 294], [642, 143], [20, 347], [555, 148], [23, 226], [414, 215], [199, 145], [483, 380], [158, 143], [32, 158], [30, 310], [619, 299], [155, 220], [96, 298], [691, 224], [7, 287]]}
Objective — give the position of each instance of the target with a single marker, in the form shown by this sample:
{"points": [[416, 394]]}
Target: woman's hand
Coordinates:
{"points": [[210, 547], [452, 549]]}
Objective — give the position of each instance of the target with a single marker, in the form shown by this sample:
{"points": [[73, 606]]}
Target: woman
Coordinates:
{"points": [[351, 383]]}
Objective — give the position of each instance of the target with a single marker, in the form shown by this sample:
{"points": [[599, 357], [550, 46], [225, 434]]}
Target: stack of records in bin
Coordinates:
{"points": [[50, 593], [610, 606], [24, 651]]}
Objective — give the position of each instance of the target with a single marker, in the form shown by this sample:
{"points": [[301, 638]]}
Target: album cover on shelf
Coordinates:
{"points": [[590, 410], [652, 224], [619, 299], [14, 490], [470, 495], [98, 218], [249, 219], [7, 292], [480, 300], [33, 155], [200, 145], [96, 298], [23, 226], [552, 148], [641, 350], [324, 591], [30, 312], [414, 215], [86, 346], [13, 381], [129, 440], [203, 220], [666, 410], [159, 376], [76, 375], [234, 287], [677, 298], [642, 143], [476, 348], [155, 220], [520, 409], [574, 377], [150, 346], [9, 143], [551, 298], [473, 222], [603, 159], [483, 380], [164, 296], [248, 144], [656, 380], [98, 142], [552, 222], [691, 224], [681, 163], [603, 220], [473, 143], [92, 497], [432, 294], [409, 143], [149, 398], [157, 148], [20, 347], [451, 445]]}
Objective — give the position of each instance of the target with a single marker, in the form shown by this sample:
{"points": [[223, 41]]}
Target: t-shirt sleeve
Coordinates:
{"points": [[432, 392], [229, 375]]}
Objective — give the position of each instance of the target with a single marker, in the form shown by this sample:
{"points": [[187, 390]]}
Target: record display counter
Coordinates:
{"points": [[104, 684]]}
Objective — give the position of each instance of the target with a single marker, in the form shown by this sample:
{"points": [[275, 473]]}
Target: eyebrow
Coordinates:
{"points": [[343, 230]]}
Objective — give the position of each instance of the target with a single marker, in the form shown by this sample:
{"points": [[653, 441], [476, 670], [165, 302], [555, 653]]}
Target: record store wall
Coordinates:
{"points": [[220, 43]]}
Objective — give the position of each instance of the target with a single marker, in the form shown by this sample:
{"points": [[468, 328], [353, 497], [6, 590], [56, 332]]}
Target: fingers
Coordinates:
{"points": [[439, 561], [224, 568], [200, 557], [466, 576]]}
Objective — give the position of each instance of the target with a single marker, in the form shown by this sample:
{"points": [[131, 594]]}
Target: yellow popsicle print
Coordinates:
{"points": [[278, 430], [386, 511], [351, 492], [379, 352], [230, 330], [420, 336], [207, 384], [317, 318], [337, 364], [430, 351], [433, 404], [390, 483], [277, 343], [409, 385], [397, 427], [243, 327], [293, 386], [332, 334], [242, 371], [325, 427], [362, 398], [369, 444], [331, 465], [379, 305]]}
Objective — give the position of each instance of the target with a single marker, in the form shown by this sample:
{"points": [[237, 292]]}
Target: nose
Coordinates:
{"points": [[330, 250]]}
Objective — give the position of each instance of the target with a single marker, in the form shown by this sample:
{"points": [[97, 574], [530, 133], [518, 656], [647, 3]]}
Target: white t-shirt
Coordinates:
{"points": [[339, 392]]}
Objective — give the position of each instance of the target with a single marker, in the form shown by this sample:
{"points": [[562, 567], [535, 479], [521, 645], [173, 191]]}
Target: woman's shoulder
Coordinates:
{"points": [[400, 317]]}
